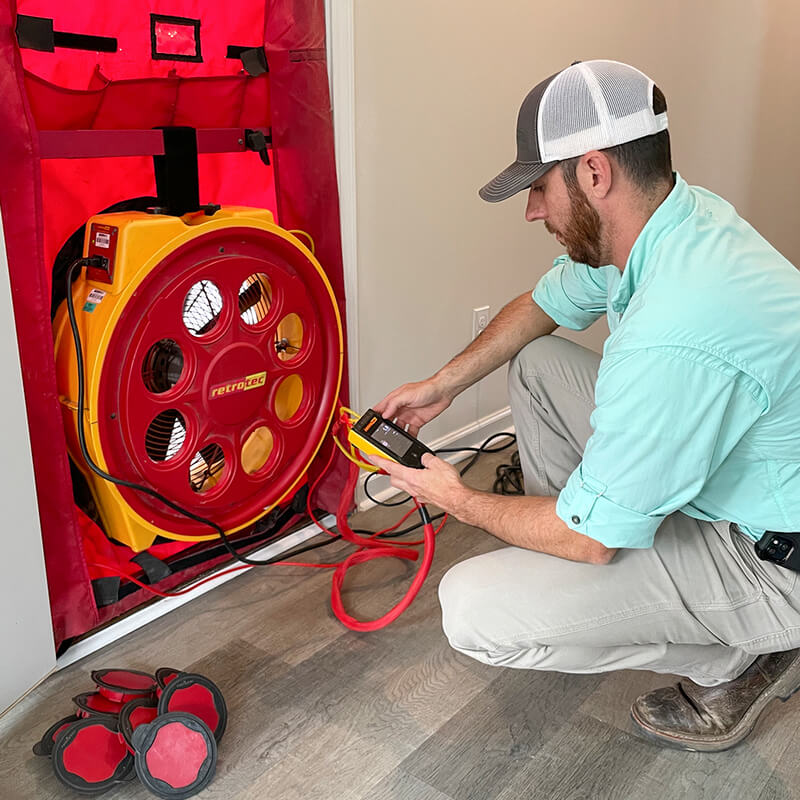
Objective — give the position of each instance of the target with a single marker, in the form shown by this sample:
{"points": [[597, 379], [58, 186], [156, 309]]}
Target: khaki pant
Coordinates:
{"points": [[698, 603]]}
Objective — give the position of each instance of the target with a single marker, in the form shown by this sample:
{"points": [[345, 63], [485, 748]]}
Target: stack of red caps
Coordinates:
{"points": [[164, 728]]}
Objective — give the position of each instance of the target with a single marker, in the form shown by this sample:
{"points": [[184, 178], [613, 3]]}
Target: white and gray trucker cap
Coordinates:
{"points": [[590, 105]]}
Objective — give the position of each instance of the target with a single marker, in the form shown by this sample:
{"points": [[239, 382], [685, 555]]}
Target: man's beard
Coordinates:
{"points": [[582, 236]]}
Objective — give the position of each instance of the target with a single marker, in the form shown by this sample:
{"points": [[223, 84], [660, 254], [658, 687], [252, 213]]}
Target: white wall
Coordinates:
{"points": [[437, 88], [25, 628]]}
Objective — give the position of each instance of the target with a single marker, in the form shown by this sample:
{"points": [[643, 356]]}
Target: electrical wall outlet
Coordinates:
{"points": [[480, 319]]}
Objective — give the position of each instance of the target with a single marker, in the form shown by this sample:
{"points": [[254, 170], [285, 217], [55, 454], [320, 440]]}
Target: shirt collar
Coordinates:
{"points": [[674, 209]]}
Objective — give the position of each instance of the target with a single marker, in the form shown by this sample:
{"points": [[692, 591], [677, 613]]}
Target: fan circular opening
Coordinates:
{"points": [[202, 307], [163, 366], [255, 298], [165, 435], [206, 468]]}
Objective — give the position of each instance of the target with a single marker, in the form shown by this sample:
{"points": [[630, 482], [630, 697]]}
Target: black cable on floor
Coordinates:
{"points": [[477, 452]]}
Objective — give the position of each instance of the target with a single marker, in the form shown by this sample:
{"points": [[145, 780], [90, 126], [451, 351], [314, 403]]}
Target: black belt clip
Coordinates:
{"points": [[780, 548]]}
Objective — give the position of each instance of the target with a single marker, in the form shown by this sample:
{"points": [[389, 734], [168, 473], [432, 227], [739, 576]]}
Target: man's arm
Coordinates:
{"points": [[519, 322], [529, 522]]}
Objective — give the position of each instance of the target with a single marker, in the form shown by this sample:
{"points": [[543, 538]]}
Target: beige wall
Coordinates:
{"points": [[437, 87]]}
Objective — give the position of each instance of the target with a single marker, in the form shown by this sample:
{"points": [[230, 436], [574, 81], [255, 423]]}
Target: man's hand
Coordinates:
{"points": [[438, 483], [519, 322], [414, 404]]}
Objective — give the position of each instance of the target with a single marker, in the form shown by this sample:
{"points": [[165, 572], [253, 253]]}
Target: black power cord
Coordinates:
{"points": [[510, 479], [98, 261]]}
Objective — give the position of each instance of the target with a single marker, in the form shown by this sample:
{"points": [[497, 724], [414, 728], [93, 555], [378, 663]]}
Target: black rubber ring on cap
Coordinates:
{"points": [[122, 772], [185, 681], [126, 727], [144, 737], [116, 691], [84, 702], [165, 675]]}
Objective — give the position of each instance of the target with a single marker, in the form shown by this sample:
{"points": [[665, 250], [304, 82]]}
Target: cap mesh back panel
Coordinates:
{"points": [[634, 99], [569, 94], [594, 105]]}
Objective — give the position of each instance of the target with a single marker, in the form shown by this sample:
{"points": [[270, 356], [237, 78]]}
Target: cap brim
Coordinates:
{"points": [[513, 179]]}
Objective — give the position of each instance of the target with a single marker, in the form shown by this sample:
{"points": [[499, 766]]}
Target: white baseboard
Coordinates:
{"points": [[471, 435], [138, 619]]}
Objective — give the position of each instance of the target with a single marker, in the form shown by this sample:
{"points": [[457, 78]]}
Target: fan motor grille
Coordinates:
{"points": [[163, 366], [165, 435], [201, 308], [255, 299], [206, 467]]}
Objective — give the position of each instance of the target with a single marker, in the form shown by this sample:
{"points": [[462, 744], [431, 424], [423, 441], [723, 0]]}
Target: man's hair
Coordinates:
{"points": [[646, 161]]}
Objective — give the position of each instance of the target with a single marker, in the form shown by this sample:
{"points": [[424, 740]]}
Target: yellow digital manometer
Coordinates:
{"points": [[374, 435]]}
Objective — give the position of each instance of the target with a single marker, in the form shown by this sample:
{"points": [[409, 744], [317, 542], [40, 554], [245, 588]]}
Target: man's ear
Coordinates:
{"points": [[595, 174]]}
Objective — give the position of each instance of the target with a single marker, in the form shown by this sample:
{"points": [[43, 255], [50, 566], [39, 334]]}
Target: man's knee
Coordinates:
{"points": [[542, 351], [555, 368], [473, 623], [536, 357], [458, 597], [525, 371], [473, 617]]}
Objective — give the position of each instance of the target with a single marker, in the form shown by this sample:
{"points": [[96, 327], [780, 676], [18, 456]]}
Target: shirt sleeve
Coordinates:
{"points": [[664, 421], [574, 295]]}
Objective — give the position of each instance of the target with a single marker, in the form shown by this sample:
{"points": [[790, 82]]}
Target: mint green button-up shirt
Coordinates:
{"points": [[698, 392]]}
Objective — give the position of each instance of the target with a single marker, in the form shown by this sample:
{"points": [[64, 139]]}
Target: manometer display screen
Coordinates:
{"points": [[393, 440]]}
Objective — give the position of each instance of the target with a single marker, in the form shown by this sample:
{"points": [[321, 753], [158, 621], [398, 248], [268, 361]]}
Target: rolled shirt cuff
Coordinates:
{"points": [[583, 506]]}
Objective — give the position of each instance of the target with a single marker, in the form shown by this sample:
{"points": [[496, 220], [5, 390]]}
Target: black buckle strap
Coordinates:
{"points": [[256, 141], [155, 569], [36, 33], [254, 59]]}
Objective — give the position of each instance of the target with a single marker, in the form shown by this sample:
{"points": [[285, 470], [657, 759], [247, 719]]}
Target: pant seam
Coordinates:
{"points": [[539, 462], [564, 385], [621, 616]]}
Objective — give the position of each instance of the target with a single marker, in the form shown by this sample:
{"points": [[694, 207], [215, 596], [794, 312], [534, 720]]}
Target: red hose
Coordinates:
{"points": [[369, 549]]}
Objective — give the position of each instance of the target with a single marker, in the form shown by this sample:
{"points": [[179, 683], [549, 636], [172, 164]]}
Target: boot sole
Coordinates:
{"points": [[714, 744]]}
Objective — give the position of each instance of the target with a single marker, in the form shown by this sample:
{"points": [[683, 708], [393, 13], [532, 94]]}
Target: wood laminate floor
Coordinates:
{"points": [[320, 713]]}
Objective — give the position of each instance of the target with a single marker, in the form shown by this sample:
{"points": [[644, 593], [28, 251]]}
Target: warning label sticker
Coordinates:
{"points": [[95, 296]]}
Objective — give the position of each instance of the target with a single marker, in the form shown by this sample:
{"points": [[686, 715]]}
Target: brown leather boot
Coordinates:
{"points": [[712, 718]]}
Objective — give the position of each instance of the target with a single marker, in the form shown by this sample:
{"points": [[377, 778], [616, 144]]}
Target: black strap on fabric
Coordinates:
{"points": [[106, 591], [155, 569], [82, 41], [254, 59], [110, 590], [256, 140], [36, 33], [177, 178]]}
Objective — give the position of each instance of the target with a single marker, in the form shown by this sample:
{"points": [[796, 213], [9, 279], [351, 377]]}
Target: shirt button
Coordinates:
{"points": [[576, 519]]}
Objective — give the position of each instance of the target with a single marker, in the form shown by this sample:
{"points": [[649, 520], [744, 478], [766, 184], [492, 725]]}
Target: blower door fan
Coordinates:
{"points": [[213, 365]]}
